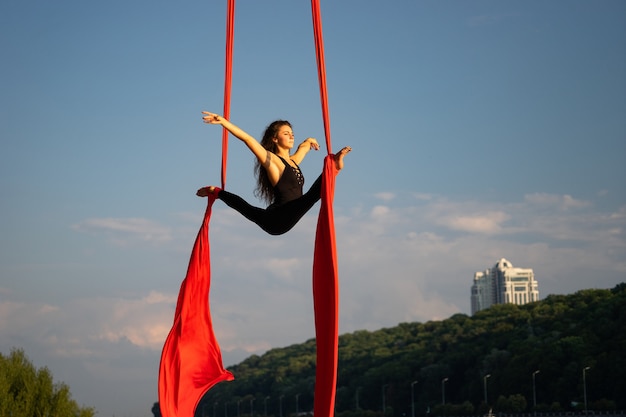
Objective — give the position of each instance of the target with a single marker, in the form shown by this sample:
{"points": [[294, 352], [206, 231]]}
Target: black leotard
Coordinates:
{"points": [[289, 203], [289, 185]]}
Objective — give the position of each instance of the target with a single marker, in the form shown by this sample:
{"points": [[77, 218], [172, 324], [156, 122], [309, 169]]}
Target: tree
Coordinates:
{"points": [[559, 335], [29, 392]]}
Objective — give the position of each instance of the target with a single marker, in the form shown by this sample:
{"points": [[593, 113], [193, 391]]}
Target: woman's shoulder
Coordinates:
{"points": [[283, 160]]}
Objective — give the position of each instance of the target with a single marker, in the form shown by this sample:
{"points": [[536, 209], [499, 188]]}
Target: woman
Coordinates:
{"points": [[279, 179]]}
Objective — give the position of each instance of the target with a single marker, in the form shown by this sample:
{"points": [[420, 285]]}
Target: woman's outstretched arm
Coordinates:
{"points": [[259, 151]]}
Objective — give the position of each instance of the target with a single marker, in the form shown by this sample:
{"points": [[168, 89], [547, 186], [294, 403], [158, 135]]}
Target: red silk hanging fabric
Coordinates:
{"points": [[191, 361], [228, 81], [326, 298], [325, 273]]}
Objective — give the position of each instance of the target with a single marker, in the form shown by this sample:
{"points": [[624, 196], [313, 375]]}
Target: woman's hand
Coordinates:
{"points": [[304, 148], [212, 118], [311, 143]]}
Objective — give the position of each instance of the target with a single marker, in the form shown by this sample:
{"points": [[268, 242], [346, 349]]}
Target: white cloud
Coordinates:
{"points": [[488, 223], [423, 196], [74, 329], [619, 215], [385, 196], [561, 202], [125, 231], [379, 212]]}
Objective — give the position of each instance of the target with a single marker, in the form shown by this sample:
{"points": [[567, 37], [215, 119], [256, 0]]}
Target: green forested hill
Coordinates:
{"points": [[559, 336]]}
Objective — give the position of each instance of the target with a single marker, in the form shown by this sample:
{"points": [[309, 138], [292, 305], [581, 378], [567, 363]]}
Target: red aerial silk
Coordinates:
{"points": [[191, 362], [228, 80], [326, 297], [325, 274]]}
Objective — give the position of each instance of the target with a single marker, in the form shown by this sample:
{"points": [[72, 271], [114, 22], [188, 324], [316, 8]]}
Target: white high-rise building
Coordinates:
{"points": [[503, 284]]}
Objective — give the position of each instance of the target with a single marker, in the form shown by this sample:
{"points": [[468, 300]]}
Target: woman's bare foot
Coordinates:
{"points": [[205, 191], [339, 157]]}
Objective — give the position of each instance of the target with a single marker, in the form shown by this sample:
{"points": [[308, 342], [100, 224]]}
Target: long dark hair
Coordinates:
{"points": [[264, 189]]}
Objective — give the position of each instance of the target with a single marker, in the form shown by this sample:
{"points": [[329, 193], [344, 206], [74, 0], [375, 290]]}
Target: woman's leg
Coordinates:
{"points": [[267, 219], [281, 219], [275, 220], [254, 214]]}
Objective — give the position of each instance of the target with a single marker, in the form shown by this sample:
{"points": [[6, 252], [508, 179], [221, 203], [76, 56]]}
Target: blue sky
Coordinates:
{"points": [[480, 129]]}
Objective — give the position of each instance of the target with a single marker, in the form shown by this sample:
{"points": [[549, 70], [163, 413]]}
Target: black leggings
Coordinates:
{"points": [[275, 219]]}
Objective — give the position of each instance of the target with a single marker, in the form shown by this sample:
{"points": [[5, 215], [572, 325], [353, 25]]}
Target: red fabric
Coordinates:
{"points": [[230, 40], [191, 361], [325, 274], [326, 298], [321, 68]]}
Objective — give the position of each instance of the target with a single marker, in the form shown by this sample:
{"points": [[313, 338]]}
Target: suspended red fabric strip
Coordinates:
{"points": [[230, 37], [321, 68], [325, 273], [191, 361], [326, 298]]}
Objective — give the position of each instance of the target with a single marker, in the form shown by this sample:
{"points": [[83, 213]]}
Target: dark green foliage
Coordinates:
{"points": [[29, 392], [559, 336]]}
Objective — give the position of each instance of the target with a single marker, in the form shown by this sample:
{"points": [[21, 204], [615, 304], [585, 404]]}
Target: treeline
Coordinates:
{"points": [[553, 353], [26, 391]]}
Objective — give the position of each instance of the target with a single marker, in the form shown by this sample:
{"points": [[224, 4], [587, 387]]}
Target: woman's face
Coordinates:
{"points": [[284, 138]]}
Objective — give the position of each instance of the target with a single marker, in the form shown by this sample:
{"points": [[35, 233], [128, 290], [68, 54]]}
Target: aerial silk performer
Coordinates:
{"points": [[279, 178], [191, 360]]}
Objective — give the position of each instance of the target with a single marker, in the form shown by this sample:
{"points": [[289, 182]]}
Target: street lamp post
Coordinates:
{"points": [[535, 392], [413, 399], [585, 387], [443, 391], [485, 388], [251, 407], [265, 405], [383, 394], [297, 405], [280, 405]]}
